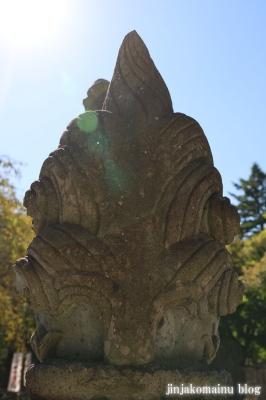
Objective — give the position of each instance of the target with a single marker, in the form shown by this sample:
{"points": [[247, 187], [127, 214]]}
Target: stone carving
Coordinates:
{"points": [[129, 264]]}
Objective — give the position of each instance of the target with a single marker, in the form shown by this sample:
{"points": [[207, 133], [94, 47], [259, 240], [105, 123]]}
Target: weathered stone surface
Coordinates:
{"points": [[96, 95], [129, 264], [85, 381]]}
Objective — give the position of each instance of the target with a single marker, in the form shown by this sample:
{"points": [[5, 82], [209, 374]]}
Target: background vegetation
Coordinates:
{"points": [[248, 325], [16, 319]]}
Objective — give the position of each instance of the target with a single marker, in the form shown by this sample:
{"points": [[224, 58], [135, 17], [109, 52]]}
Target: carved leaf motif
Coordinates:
{"points": [[137, 91], [129, 216], [70, 259]]}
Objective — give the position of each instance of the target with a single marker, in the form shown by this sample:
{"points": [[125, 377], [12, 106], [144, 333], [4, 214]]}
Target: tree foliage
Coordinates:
{"points": [[248, 324], [16, 319], [252, 202]]}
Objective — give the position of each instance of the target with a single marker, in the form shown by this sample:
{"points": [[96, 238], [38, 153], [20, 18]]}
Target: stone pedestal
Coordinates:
{"points": [[62, 380]]}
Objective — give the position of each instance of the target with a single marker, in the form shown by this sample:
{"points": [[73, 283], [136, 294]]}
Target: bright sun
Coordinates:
{"points": [[27, 23]]}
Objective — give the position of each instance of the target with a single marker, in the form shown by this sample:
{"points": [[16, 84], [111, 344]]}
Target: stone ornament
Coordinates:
{"points": [[129, 265]]}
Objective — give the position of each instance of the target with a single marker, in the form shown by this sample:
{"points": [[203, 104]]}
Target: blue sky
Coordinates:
{"points": [[211, 54]]}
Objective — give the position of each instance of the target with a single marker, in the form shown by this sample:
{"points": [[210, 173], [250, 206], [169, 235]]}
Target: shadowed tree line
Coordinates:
{"points": [[248, 325], [252, 202], [16, 319]]}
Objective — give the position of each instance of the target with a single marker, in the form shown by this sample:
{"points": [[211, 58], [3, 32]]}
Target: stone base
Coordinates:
{"points": [[65, 380]]}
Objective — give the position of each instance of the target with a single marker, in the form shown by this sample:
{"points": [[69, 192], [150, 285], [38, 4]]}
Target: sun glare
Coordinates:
{"points": [[27, 23]]}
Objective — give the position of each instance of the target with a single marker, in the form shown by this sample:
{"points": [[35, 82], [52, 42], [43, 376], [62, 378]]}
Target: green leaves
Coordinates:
{"points": [[252, 203], [16, 319], [248, 324]]}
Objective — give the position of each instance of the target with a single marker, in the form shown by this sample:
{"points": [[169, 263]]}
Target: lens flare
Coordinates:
{"points": [[88, 122], [97, 142], [115, 176]]}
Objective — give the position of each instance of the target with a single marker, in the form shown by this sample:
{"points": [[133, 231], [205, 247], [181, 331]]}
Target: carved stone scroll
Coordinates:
{"points": [[128, 267]]}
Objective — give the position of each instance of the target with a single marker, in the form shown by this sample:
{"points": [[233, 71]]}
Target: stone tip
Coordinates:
{"points": [[133, 36], [133, 33]]}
